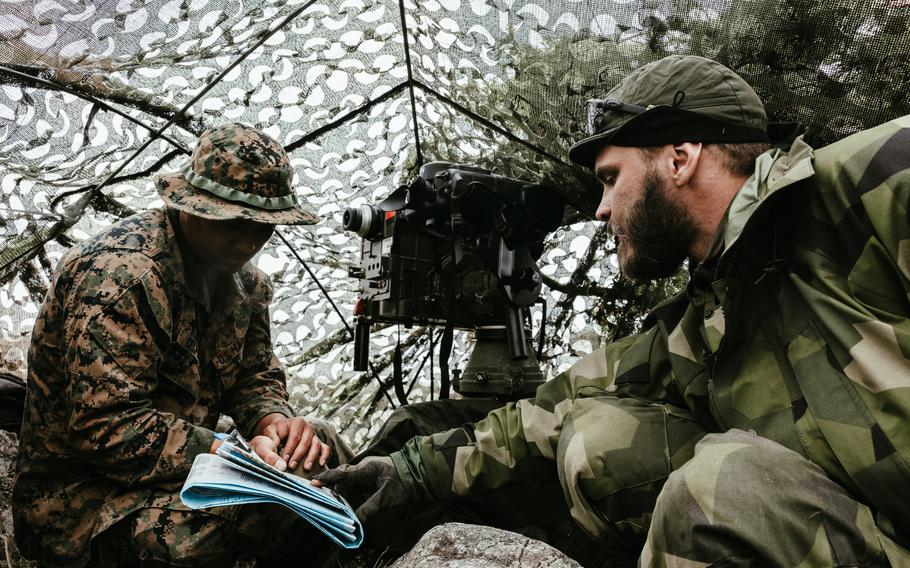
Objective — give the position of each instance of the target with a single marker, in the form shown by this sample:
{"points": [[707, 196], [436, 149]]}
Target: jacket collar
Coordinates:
{"points": [[775, 170]]}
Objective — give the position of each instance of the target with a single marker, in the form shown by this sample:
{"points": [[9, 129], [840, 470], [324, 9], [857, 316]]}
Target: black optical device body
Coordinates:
{"points": [[458, 248]]}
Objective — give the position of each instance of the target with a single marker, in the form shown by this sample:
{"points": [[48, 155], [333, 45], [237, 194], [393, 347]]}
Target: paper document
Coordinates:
{"points": [[237, 476]]}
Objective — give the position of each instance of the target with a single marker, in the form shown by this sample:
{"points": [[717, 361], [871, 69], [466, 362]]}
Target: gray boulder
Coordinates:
{"points": [[457, 545], [9, 449]]}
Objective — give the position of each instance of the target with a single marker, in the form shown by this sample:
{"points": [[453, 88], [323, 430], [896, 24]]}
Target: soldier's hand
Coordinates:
{"points": [[267, 449], [295, 441], [375, 477]]}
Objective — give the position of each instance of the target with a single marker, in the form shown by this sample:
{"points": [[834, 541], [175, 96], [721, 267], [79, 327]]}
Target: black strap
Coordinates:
{"points": [[445, 349], [396, 372]]}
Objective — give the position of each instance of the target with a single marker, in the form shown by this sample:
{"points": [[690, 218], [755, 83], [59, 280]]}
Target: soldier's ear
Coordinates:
{"points": [[685, 160]]}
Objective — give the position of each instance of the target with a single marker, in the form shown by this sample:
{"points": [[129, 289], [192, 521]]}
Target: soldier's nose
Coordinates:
{"points": [[605, 207]]}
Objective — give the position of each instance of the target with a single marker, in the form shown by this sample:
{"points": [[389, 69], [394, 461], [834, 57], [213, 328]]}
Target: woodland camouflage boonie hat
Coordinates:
{"points": [[236, 172], [680, 98]]}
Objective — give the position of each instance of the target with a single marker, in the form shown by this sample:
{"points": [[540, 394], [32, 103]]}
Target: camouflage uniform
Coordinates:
{"points": [[795, 328], [130, 366], [536, 510]]}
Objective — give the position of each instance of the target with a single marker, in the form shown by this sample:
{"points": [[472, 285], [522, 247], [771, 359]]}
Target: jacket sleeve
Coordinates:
{"points": [[117, 324], [855, 274], [260, 388], [513, 444]]}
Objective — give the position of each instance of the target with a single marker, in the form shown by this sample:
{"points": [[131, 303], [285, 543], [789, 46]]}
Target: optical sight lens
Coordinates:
{"points": [[365, 220]]}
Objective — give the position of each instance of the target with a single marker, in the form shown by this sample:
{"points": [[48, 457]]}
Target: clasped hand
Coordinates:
{"points": [[285, 443]]}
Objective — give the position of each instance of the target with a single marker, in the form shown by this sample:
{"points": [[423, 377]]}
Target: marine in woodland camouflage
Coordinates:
{"points": [[130, 366], [796, 327]]}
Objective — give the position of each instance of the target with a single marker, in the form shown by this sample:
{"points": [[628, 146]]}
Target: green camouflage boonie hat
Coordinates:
{"points": [[680, 98], [236, 172]]}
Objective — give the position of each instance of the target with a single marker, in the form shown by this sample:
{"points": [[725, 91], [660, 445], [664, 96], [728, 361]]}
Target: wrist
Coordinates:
{"points": [[412, 483]]}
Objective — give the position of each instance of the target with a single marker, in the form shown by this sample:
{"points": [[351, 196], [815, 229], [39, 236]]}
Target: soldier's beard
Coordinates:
{"points": [[657, 234]]}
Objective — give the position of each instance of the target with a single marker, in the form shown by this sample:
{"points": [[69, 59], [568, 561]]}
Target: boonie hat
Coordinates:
{"points": [[236, 172], [680, 98]]}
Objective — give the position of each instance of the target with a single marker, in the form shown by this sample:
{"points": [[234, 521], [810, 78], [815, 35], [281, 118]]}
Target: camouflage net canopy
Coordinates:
{"points": [[358, 103]]}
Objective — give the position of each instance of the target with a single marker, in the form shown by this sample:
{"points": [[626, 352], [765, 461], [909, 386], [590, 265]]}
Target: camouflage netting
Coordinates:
{"points": [[500, 83]]}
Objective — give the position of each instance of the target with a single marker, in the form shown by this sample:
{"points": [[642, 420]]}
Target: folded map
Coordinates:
{"points": [[238, 476]]}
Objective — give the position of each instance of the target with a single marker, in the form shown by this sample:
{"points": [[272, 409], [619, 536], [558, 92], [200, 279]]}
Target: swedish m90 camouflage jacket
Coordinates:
{"points": [[797, 327], [129, 368]]}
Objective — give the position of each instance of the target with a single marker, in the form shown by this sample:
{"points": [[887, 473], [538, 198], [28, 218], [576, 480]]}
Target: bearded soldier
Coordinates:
{"points": [[762, 418], [150, 331]]}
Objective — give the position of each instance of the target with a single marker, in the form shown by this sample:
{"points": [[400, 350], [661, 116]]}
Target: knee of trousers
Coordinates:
{"points": [[613, 457], [733, 469], [742, 492], [171, 536]]}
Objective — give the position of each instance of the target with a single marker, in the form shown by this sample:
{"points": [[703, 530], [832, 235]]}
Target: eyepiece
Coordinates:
{"points": [[365, 220]]}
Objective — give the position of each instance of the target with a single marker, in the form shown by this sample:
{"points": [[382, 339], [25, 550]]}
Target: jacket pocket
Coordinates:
{"points": [[178, 372]]}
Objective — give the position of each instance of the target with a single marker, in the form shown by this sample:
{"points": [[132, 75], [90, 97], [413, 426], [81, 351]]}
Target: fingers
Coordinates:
{"points": [[298, 441], [355, 476], [295, 428], [306, 436], [327, 477], [324, 454], [368, 473], [313, 453], [331, 476], [266, 448]]}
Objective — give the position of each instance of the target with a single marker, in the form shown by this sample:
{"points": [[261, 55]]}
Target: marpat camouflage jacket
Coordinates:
{"points": [[130, 366], [797, 327]]}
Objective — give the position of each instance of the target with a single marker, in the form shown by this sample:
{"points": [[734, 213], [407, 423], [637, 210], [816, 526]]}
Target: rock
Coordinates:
{"points": [[458, 545], [9, 449]]}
